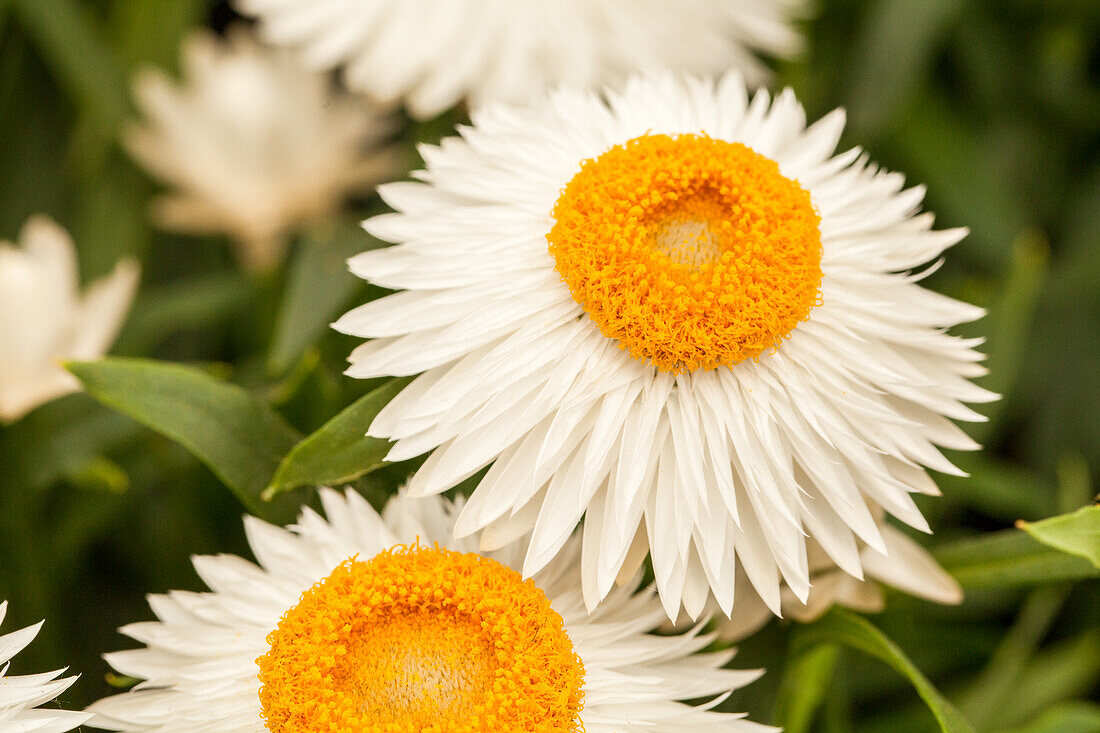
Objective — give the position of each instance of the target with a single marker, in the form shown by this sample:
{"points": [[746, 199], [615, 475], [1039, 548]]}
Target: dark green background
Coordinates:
{"points": [[994, 105]]}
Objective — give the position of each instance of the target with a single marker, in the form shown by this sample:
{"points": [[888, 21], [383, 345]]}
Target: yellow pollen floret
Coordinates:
{"points": [[691, 252], [422, 640]]}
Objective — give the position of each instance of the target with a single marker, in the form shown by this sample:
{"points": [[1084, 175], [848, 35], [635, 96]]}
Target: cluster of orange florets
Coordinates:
{"points": [[691, 252], [422, 640]]}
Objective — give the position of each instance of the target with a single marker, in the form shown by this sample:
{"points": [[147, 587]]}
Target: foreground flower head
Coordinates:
{"points": [[21, 696], [678, 314], [432, 53], [905, 566], [44, 318], [253, 145], [362, 622]]}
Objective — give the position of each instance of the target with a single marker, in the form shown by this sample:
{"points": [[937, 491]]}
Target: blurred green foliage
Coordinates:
{"points": [[994, 104]]}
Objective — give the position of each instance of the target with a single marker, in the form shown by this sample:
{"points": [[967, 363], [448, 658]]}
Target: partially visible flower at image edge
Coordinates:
{"points": [[45, 319], [673, 311], [22, 696], [252, 145], [433, 53], [368, 622]]}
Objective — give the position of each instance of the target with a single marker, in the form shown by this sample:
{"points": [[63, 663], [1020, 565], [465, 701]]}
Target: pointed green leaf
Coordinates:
{"points": [[1077, 533], [843, 627], [340, 450], [240, 438]]}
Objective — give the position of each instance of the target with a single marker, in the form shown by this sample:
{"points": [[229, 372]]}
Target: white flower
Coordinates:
{"points": [[754, 361], [21, 696], [253, 144], [905, 566], [44, 318], [432, 53], [405, 636]]}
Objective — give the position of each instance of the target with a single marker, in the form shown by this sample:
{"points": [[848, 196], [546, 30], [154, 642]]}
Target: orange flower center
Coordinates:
{"points": [[691, 252], [422, 640]]}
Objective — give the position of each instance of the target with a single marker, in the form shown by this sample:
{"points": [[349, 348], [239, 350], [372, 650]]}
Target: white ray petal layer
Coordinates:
{"points": [[199, 659], [432, 53], [27, 701], [723, 471]]}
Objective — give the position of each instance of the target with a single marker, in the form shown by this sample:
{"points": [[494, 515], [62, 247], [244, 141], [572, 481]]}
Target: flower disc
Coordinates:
{"points": [[691, 252], [421, 639]]}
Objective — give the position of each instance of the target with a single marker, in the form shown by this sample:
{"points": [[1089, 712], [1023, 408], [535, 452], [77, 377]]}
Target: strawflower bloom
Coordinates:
{"points": [[676, 313], [45, 319], [383, 624], [433, 53], [252, 145], [22, 696]]}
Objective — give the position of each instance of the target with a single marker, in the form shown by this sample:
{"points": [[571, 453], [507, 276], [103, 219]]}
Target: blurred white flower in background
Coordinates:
{"points": [[45, 319], [21, 696], [906, 566], [432, 53], [253, 145]]}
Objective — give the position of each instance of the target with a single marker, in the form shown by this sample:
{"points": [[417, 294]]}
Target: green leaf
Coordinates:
{"points": [[843, 627], [240, 438], [804, 687], [318, 289], [340, 450], [1009, 559], [1077, 533]]}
